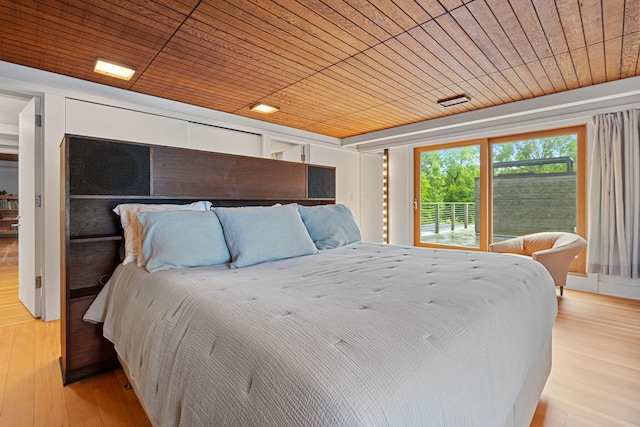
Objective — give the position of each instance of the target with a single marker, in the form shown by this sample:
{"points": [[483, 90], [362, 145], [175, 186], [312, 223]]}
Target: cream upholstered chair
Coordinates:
{"points": [[554, 250]]}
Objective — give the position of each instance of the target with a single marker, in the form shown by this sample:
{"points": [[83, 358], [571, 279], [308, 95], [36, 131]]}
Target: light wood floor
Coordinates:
{"points": [[595, 379], [11, 310]]}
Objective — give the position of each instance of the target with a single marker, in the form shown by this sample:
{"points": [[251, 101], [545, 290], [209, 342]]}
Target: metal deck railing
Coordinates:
{"points": [[446, 216]]}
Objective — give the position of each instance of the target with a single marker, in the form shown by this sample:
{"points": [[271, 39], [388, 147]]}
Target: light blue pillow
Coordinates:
{"points": [[330, 226], [259, 234], [180, 239]]}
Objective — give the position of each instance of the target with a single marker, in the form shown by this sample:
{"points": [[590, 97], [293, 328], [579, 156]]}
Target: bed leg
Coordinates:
{"points": [[127, 386], [561, 288]]}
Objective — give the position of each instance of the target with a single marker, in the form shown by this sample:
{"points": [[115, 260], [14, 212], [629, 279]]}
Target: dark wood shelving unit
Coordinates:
{"points": [[97, 175]]}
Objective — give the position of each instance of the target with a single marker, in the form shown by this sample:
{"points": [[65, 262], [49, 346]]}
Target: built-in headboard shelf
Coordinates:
{"points": [[100, 167], [99, 174]]}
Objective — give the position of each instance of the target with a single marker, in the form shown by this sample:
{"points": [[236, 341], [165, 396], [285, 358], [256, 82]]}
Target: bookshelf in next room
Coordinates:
{"points": [[8, 215]]}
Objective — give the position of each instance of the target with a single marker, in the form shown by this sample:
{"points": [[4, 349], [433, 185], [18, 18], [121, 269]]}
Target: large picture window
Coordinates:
{"points": [[473, 193]]}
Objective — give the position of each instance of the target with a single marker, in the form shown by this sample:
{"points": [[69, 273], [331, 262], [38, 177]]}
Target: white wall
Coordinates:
{"points": [[290, 152], [10, 107], [8, 145], [53, 128], [103, 121], [9, 177], [400, 173], [211, 138], [371, 199]]}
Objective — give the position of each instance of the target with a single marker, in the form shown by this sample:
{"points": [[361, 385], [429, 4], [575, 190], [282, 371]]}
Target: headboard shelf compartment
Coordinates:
{"points": [[99, 174], [84, 292], [87, 239]]}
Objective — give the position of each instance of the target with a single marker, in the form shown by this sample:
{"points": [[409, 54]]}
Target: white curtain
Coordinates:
{"points": [[614, 232]]}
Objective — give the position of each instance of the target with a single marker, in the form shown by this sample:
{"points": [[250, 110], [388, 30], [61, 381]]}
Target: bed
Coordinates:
{"points": [[353, 334]]}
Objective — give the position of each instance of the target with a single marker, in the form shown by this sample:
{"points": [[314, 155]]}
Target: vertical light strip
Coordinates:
{"points": [[385, 196]]}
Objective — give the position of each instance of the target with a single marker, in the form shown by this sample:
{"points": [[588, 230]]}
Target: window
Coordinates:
{"points": [[473, 193]]}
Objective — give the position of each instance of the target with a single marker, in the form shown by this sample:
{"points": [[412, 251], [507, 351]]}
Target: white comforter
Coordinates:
{"points": [[363, 335]]}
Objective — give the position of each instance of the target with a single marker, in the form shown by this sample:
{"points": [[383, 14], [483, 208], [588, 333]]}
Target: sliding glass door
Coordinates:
{"points": [[474, 193], [448, 200]]}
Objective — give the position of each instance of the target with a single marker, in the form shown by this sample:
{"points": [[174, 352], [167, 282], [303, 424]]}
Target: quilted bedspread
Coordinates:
{"points": [[363, 335]]}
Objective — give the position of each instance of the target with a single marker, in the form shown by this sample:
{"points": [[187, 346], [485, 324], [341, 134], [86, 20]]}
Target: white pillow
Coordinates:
{"points": [[131, 225]]}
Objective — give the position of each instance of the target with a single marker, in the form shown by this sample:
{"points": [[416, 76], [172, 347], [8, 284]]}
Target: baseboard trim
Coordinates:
{"points": [[605, 285]]}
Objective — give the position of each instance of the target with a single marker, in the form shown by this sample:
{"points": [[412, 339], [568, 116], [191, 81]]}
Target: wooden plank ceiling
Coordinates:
{"points": [[335, 67]]}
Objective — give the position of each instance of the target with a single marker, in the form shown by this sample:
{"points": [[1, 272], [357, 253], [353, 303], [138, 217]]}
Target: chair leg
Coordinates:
{"points": [[561, 288]]}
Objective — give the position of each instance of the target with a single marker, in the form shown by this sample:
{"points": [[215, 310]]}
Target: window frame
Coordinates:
{"points": [[486, 184]]}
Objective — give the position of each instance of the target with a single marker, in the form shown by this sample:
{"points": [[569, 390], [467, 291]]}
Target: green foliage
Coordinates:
{"points": [[532, 149], [449, 175]]}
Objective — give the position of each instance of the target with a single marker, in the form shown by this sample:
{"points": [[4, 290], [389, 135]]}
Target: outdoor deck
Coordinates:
{"points": [[460, 236]]}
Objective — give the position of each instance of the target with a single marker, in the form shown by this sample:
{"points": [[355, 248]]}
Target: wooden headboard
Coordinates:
{"points": [[99, 174]]}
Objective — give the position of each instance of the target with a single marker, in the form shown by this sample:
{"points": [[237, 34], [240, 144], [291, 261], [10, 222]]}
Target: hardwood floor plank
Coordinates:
{"points": [[14, 316], [8, 251], [18, 402], [12, 311], [137, 412], [80, 402], [48, 393], [595, 375], [7, 334], [113, 402]]}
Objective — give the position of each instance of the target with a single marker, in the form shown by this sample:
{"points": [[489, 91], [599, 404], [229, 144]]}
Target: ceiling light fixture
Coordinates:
{"points": [[114, 70], [264, 108], [455, 100]]}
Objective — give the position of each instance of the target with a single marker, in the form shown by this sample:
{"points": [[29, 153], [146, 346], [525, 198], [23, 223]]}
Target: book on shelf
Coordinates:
{"points": [[8, 204]]}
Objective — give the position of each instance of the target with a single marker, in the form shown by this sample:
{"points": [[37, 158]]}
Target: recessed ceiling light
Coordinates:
{"points": [[264, 108], [458, 99], [114, 70]]}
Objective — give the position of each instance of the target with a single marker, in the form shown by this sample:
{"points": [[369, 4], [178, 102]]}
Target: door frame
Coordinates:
{"points": [[37, 254]]}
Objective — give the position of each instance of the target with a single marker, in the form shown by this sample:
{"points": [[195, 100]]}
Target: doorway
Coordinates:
{"points": [[12, 311], [473, 193]]}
